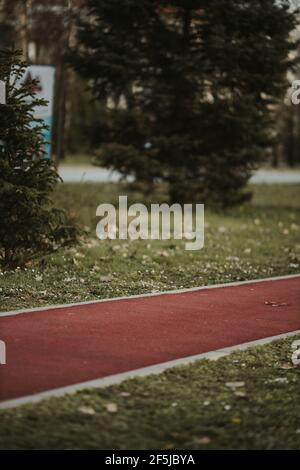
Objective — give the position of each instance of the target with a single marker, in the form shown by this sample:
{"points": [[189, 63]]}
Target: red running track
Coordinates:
{"points": [[62, 346]]}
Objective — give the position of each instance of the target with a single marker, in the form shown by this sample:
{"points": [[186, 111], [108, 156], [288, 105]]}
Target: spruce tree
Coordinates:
{"points": [[30, 224], [191, 85]]}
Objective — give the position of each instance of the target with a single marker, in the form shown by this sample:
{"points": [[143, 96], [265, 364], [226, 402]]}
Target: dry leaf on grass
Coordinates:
{"points": [[235, 384], [111, 407], [87, 410]]}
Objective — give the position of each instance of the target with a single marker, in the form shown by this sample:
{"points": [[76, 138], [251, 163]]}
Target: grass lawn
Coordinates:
{"points": [[260, 239], [190, 407]]}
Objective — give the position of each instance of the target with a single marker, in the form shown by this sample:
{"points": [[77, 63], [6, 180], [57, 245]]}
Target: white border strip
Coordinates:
{"points": [[154, 369], [155, 294]]}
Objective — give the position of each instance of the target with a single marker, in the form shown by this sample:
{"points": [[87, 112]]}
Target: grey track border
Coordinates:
{"points": [[149, 370], [153, 294]]}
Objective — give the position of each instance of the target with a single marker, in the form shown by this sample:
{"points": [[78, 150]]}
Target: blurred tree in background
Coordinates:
{"points": [[45, 29], [30, 224], [190, 88], [287, 148], [42, 29]]}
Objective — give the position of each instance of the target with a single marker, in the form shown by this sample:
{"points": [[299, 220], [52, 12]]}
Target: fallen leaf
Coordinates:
{"points": [[204, 440], [96, 268], [232, 258], [163, 253], [107, 278], [287, 366], [235, 384], [276, 304], [236, 420], [240, 394], [283, 380], [87, 410], [111, 407]]}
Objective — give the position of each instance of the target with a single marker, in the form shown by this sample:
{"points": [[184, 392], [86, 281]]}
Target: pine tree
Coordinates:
{"points": [[193, 83], [29, 222]]}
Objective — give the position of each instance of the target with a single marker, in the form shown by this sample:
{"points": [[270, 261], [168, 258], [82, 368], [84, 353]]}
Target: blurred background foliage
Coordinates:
{"points": [[45, 30]]}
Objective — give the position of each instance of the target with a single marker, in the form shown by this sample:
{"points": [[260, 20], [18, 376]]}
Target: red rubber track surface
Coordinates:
{"points": [[63, 346]]}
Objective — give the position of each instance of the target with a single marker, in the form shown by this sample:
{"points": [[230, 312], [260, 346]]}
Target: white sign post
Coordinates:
{"points": [[45, 76]]}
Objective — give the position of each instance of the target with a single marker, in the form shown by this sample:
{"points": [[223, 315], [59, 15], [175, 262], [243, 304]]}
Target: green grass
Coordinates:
{"points": [[260, 239], [188, 407]]}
